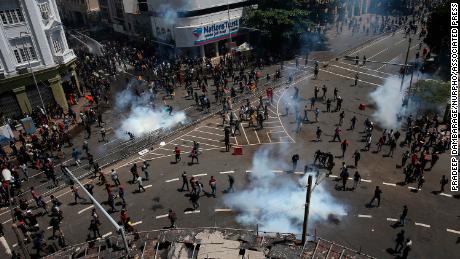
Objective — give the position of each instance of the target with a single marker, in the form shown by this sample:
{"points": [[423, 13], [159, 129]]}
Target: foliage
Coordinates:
{"points": [[433, 91], [438, 37]]}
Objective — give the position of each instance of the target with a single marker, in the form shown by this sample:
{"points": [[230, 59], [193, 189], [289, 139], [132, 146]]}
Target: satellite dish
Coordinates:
{"points": [[162, 143]]}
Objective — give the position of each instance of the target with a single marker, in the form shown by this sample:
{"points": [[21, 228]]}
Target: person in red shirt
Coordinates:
{"points": [[177, 153]]}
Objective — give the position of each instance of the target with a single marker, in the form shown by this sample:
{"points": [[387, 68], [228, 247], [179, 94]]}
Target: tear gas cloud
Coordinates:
{"points": [[141, 115], [276, 201], [388, 99]]}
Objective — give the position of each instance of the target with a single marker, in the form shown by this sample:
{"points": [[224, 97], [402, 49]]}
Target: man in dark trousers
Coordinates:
{"points": [[402, 218], [184, 182], [399, 242], [227, 138], [295, 159], [377, 195], [231, 181], [443, 182], [357, 157], [344, 175], [172, 218]]}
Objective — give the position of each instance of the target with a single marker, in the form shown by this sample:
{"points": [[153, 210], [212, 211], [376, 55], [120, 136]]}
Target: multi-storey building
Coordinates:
{"points": [[78, 12], [197, 26], [33, 44]]}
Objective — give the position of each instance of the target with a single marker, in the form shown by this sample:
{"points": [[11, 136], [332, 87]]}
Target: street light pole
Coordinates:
{"points": [[307, 210], [120, 229], [405, 64], [28, 57]]}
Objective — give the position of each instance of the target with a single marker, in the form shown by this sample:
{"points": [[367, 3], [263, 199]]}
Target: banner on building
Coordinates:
{"points": [[191, 36]]}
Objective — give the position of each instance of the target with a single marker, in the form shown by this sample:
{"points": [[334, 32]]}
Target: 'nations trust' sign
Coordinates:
{"points": [[215, 32]]}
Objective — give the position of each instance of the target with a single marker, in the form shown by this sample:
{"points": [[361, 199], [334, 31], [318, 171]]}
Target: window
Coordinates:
{"points": [[11, 16], [32, 53], [16, 54], [24, 54], [3, 16], [45, 10], [20, 16], [57, 46], [8, 15]]}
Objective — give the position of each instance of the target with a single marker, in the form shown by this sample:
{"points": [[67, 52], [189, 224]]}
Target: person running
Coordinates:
{"points": [[357, 157], [344, 176], [121, 194], [337, 134], [184, 182], [318, 134], [94, 228], [231, 181], [407, 249], [139, 184], [76, 195], [194, 155], [172, 218], [377, 196], [295, 159], [399, 242], [344, 146], [402, 217], [356, 180]]}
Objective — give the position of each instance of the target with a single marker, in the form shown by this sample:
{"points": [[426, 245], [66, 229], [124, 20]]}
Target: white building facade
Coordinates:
{"points": [[32, 38], [197, 26]]}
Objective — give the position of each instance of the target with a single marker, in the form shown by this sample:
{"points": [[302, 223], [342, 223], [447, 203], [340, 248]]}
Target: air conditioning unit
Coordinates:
{"points": [[23, 71]]}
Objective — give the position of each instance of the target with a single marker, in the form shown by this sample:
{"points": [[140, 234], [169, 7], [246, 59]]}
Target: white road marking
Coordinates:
{"points": [[182, 145], [227, 172], [244, 133], [413, 188], [85, 209], [273, 132], [6, 221], [278, 171], [453, 231], [196, 175], [137, 223], [172, 180], [399, 42], [248, 171], [370, 45], [15, 245], [48, 228], [148, 186], [364, 216], [192, 212], [204, 138], [333, 175], [389, 184], [392, 219], [222, 210], [299, 173], [161, 216], [367, 181], [209, 133], [143, 152], [106, 235], [422, 225], [446, 194], [359, 72], [378, 53], [257, 135]]}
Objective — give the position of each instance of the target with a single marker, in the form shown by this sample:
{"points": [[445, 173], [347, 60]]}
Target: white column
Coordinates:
{"points": [[216, 45], [36, 26], [203, 54], [6, 53]]}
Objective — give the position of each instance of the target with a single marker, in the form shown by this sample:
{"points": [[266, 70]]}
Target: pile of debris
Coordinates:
{"points": [[201, 243]]}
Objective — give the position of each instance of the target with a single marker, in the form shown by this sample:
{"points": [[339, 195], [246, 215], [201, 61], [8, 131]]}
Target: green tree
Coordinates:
{"points": [[283, 24], [438, 37], [431, 91]]}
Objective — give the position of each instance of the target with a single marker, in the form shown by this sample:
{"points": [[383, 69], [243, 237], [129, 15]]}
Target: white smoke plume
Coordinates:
{"points": [[388, 99], [139, 114], [275, 201]]}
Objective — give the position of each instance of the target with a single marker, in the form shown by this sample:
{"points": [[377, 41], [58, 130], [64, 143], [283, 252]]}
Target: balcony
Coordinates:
{"points": [[64, 57]]}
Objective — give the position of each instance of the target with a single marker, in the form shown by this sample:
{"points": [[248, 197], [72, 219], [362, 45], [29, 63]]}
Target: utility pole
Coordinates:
{"points": [[119, 228], [307, 210], [405, 64]]}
